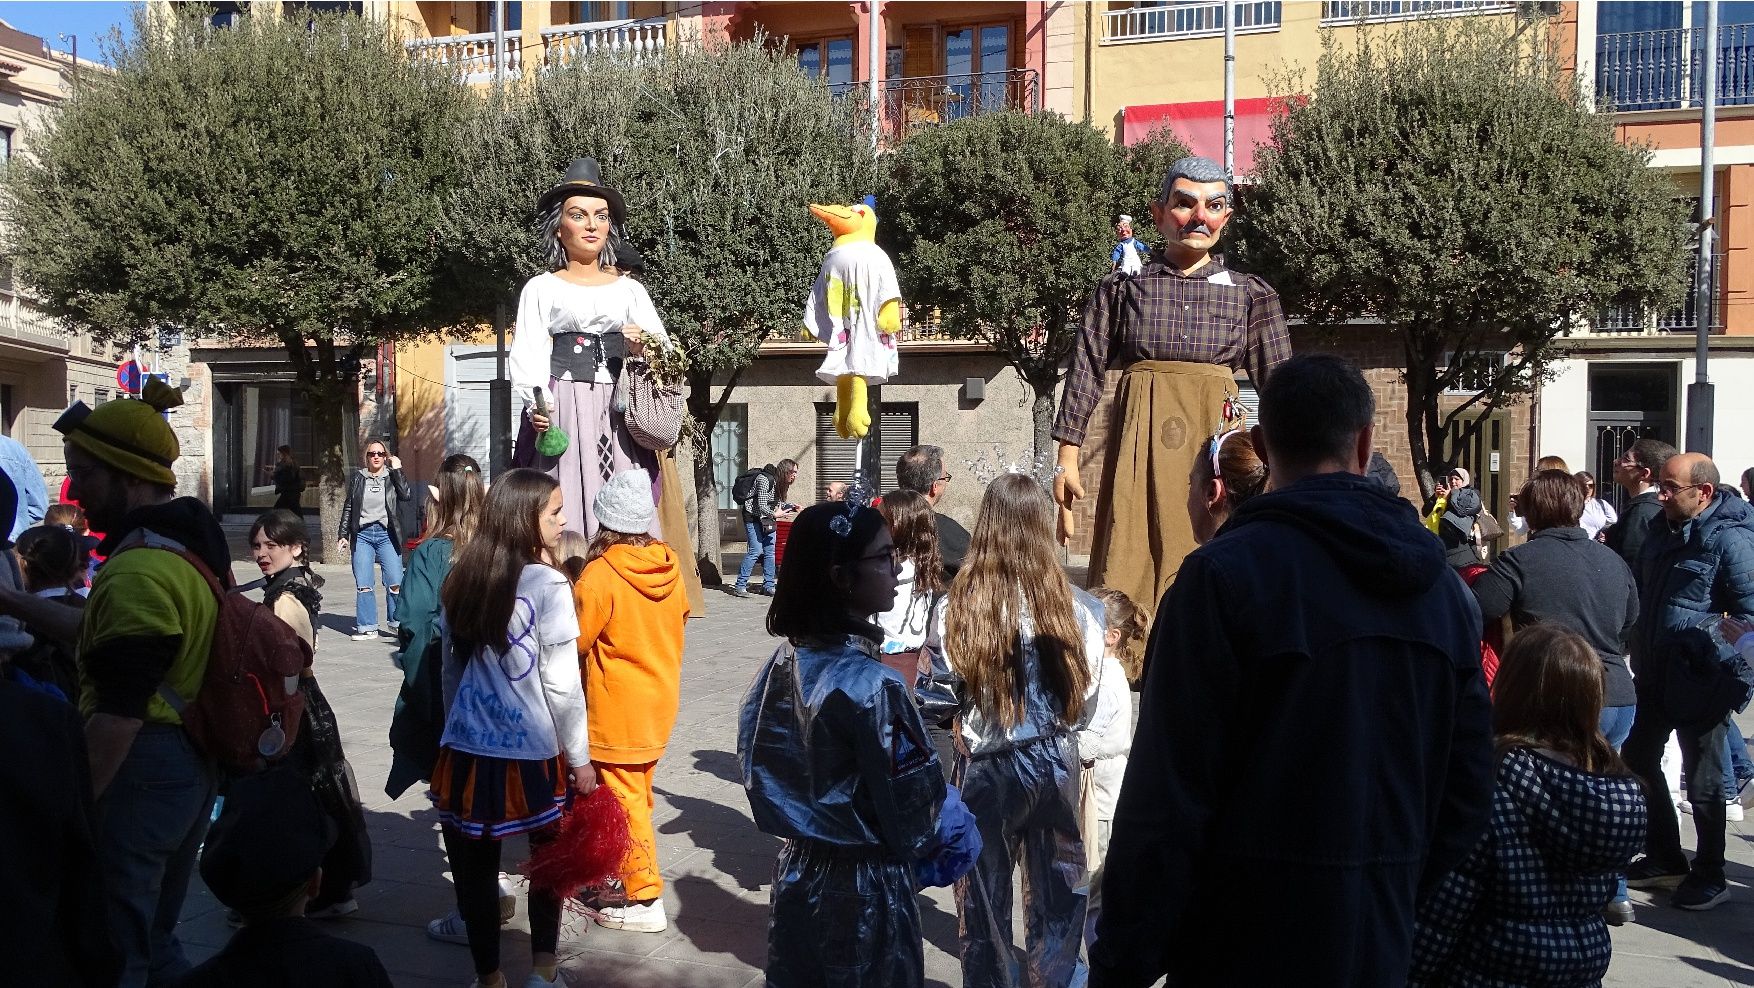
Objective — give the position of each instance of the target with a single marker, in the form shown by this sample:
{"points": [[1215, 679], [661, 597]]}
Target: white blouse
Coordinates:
{"points": [[551, 306]]}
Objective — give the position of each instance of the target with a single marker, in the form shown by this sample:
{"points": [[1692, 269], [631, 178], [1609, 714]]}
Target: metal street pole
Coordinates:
{"points": [[1230, 90], [74, 38], [1700, 396], [499, 395], [874, 51]]}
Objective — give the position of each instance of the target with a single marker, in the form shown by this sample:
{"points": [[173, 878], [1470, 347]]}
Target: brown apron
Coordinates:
{"points": [[1164, 411]]}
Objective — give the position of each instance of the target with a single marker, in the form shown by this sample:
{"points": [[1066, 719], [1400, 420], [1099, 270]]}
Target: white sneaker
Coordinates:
{"points": [[1733, 811], [643, 917], [535, 980], [365, 636], [450, 928]]}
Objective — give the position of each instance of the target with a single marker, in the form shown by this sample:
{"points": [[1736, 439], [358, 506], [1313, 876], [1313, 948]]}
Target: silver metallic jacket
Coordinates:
{"points": [[833, 749]]}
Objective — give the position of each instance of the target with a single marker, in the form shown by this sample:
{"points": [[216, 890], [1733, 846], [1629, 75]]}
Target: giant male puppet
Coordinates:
{"points": [[1178, 330]]}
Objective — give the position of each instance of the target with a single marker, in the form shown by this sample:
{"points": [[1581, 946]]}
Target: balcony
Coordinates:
{"points": [[1629, 321], [22, 322], [1185, 20], [1337, 13], [1660, 70], [564, 42], [914, 103], [471, 55]]}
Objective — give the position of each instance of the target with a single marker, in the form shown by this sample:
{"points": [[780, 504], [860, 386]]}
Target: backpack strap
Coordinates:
{"points": [[141, 538]]}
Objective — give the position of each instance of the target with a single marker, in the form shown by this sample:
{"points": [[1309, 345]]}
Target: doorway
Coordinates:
{"points": [[1628, 402]]}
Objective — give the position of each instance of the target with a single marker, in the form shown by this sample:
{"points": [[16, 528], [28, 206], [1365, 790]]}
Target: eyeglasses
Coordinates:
{"points": [[887, 555], [945, 478], [376, 452], [1670, 488]]}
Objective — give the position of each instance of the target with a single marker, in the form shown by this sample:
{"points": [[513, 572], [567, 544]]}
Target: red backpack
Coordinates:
{"points": [[247, 711]]}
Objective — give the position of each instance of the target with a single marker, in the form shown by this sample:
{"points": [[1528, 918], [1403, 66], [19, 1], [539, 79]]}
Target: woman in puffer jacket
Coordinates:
{"points": [[1567, 816]]}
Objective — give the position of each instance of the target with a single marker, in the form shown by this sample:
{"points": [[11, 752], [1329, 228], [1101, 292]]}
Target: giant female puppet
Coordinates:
{"points": [[576, 324], [1178, 330]]}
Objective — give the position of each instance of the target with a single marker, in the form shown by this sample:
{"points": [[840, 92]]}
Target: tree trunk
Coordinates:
{"points": [[320, 379], [1042, 412], [1425, 437]]}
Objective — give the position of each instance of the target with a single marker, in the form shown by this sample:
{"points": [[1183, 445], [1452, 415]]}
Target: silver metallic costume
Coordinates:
{"points": [[836, 760], [1022, 786]]}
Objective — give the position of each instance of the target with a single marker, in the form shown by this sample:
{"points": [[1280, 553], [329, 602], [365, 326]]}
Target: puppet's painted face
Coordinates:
{"points": [[584, 227], [1194, 215], [1123, 230]]}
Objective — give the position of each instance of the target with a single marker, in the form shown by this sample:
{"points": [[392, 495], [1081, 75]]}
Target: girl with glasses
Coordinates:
{"points": [[372, 527], [1597, 513]]}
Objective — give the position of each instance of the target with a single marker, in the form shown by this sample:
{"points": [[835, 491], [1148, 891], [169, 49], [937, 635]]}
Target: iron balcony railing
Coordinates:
{"points": [[913, 103], [1186, 20], [1661, 70], [1630, 320], [1336, 12]]}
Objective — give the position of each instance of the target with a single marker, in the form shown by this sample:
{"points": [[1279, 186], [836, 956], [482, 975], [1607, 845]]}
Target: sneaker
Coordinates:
{"points": [[369, 635], [737, 592], [1699, 894], [1733, 811], [536, 981], [450, 928], [638, 917], [764, 590], [334, 910], [1647, 874], [1618, 913]]}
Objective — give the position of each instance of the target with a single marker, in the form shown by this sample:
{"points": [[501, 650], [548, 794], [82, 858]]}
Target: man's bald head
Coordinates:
{"points": [[1689, 482]]}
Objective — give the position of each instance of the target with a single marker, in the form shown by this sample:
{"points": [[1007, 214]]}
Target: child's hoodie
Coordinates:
{"points": [[632, 609]]}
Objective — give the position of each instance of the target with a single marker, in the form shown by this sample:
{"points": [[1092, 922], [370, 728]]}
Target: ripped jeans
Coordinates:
{"points": [[374, 545]]}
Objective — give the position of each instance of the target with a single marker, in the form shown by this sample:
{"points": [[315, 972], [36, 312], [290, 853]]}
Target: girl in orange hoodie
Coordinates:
{"points": [[632, 608]]}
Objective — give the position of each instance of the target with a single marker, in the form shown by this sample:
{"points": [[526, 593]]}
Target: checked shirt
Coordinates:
{"points": [[1211, 316]]}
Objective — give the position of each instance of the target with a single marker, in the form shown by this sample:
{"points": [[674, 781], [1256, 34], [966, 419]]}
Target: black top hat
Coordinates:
{"points": [[584, 178]]}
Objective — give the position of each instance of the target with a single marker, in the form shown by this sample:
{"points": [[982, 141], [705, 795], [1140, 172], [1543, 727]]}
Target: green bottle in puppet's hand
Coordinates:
{"points": [[551, 441]]}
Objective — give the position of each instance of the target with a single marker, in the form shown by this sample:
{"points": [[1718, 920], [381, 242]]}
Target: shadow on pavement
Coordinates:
{"points": [[719, 764]]}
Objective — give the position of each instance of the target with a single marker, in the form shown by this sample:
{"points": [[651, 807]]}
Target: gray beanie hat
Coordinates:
{"points": [[1464, 501], [625, 503]]}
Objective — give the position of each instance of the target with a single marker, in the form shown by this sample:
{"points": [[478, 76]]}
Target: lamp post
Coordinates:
{"points": [[74, 39], [1700, 397]]}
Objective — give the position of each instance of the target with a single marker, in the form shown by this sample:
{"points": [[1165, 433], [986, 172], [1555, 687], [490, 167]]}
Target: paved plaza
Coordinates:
{"points": [[717, 866]]}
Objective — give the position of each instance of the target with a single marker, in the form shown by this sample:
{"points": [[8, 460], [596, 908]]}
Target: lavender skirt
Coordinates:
{"points": [[601, 448]]}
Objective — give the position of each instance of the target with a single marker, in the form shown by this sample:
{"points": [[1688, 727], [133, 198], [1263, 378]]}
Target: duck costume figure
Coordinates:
{"points": [[855, 309]]}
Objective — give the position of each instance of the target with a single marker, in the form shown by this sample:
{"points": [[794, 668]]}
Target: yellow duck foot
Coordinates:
{"points": [[852, 416]]}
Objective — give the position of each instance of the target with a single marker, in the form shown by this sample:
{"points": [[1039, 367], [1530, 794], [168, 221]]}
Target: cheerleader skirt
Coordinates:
{"points": [[485, 797]]}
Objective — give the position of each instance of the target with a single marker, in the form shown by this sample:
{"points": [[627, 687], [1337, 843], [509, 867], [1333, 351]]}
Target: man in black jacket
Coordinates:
{"points": [[1317, 653], [1636, 471], [921, 469]]}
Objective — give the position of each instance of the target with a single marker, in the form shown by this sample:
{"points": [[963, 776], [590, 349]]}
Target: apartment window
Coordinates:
{"points": [[976, 60], [6, 136], [514, 16], [227, 13], [828, 59], [586, 13]]}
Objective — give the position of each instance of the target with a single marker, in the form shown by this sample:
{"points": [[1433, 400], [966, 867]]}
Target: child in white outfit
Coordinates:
{"points": [[1103, 743]]}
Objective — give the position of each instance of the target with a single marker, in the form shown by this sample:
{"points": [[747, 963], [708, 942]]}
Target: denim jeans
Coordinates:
{"points": [[1738, 766], [1704, 763], [374, 545], [1616, 724], [151, 821], [759, 546]]}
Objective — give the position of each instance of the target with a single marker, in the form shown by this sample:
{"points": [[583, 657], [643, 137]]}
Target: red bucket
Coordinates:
{"points": [[782, 530]]}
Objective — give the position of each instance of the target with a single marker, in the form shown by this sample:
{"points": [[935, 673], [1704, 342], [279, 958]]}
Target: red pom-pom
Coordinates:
{"points": [[590, 843]]}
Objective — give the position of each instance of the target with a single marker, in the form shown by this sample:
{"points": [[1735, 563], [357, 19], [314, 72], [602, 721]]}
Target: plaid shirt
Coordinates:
{"points": [[1212, 316]]}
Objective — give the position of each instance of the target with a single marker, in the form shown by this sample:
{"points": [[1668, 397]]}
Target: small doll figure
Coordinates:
{"points": [[855, 308]]}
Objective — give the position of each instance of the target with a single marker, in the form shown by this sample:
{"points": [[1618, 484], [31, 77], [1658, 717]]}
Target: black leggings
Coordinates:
{"points": [[475, 871]]}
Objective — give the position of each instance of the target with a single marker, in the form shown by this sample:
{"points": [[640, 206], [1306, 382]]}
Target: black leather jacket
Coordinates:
{"points": [[356, 492]]}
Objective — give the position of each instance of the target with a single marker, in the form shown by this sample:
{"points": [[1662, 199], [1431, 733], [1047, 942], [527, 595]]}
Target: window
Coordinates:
{"points": [[898, 431], [893, 59], [828, 59], [227, 13], [730, 448], [514, 16], [6, 136], [977, 61], [589, 12]]}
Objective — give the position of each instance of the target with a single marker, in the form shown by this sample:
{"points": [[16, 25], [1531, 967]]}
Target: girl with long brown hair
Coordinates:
{"points": [[1525, 907], [1025, 648], [515, 733], [920, 582]]}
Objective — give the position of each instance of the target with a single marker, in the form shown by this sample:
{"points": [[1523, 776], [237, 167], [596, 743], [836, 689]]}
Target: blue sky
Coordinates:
{"points": [[48, 19]]}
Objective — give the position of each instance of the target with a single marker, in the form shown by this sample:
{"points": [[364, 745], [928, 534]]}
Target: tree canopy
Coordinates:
{"points": [[1003, 223], [276, 182], [1448, 180]]}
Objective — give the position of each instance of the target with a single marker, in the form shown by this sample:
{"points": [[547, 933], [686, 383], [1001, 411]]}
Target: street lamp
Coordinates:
{"points": [[74, 38]]}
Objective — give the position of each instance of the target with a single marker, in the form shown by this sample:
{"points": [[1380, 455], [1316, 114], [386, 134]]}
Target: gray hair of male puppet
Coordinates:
{"points": [[1195, 169], [549, 223]]}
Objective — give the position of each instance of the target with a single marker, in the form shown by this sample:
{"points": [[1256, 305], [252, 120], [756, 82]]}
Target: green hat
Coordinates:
{"points": [[127, 434]]}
